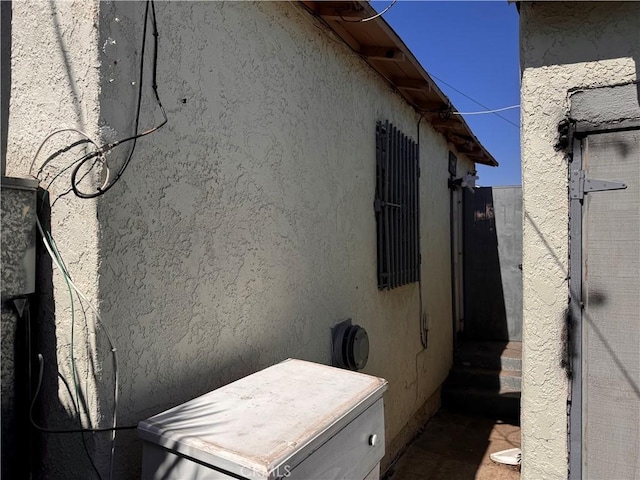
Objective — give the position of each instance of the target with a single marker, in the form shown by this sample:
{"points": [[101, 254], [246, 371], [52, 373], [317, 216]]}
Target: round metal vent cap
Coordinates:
{"points": [[350, 346]]}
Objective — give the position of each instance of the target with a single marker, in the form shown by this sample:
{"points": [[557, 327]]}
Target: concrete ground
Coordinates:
{"points": [[454, 446]]}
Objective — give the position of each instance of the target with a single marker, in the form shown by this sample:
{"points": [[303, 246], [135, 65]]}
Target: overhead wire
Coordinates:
{"points": [[483, 112], [68, 167], [474, 100]]}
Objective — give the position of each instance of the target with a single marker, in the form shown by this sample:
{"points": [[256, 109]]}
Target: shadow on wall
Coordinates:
{"points": [[492, 262], [484, 313], [5, 79], [15, 390], [147, 388], [606, 342], [214, 253]]}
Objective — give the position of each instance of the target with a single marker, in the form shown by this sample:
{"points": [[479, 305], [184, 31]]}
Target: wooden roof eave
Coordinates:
{"points": [[379, 45]]}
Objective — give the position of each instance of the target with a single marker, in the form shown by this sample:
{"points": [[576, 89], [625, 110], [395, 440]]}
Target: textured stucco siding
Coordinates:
{"points": [[55, 84], [563, 46], [243, 230]]}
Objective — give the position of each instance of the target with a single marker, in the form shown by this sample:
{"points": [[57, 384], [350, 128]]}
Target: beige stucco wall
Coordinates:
{"points": [[244, 229], [56, 84], [562, 46]]}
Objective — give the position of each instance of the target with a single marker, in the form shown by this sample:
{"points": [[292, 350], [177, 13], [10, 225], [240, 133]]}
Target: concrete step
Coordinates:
{"points": [[490, 380], [490, 355], [486, 379], [504, 405]]}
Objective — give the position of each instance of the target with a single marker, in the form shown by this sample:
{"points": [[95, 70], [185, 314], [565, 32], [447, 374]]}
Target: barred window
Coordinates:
{"points": [[396, 207]]}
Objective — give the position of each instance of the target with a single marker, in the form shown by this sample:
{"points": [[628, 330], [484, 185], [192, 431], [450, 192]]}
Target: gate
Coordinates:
{"points": [[493, 264], [604, 195]]}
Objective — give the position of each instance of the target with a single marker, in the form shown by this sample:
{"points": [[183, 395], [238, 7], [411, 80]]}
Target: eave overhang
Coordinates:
{"points": [[379, 45]]}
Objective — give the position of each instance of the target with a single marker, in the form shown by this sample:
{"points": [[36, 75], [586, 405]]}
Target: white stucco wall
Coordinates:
{"points": [[563, 46], [243, 230]]}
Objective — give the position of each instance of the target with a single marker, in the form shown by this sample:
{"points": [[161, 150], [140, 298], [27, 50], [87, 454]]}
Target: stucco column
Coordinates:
{"points": [[563, 47], [55, 84]]}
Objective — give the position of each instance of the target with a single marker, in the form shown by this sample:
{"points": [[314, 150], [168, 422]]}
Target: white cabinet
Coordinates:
{"points": [[297, 420]]}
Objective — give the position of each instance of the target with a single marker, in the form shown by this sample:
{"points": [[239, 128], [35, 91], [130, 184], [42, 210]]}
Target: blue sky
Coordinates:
{"points": [[473, 47]]}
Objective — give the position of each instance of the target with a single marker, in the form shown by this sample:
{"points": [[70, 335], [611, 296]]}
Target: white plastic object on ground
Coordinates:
{"points": [[512, 456]]}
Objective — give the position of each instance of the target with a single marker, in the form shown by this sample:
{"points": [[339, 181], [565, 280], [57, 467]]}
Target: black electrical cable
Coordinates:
{"points": [[60, 152], [106, 148], [66, 192]]}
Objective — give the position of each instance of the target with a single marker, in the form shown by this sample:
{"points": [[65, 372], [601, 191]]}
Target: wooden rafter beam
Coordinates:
{"points": [[390, 54], [411, 84], [464, 145], [344, 13], [446, 125]]}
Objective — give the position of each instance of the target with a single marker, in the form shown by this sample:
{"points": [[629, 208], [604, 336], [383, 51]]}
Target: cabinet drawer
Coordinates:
{"points": [[349, 454]]}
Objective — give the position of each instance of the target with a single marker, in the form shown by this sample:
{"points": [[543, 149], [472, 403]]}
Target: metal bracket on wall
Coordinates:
{"points": [[378, 205], [579, 185]]}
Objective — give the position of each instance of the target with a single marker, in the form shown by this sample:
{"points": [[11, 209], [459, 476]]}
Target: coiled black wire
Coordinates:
{"points": [[106, 148]]}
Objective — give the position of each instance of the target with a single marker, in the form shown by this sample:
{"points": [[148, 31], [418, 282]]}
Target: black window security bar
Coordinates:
{"points": [[396, 207]]}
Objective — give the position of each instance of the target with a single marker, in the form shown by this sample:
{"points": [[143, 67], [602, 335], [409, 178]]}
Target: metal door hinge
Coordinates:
{"points": [[579, 185]]}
